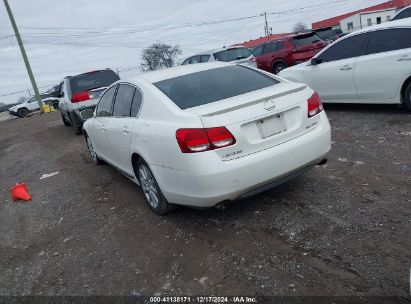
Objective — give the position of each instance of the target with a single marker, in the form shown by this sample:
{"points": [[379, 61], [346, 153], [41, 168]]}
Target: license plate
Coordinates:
{"points": [[271, 126]]}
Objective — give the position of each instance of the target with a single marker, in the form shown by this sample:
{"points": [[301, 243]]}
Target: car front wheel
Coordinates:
{"points": [[152, 193], [23, 113]]}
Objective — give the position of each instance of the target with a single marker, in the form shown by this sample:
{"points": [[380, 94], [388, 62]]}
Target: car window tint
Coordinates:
{"points": [[93, 80], [137, 100], [195, 59], [270, 47], [205, 58], [257, 51], [404, 14], [305, 39], [104, 105], [232, 54], [389, 40], [124, 98], [187, 61], [280, 45], [347, 48], [208, 86]]}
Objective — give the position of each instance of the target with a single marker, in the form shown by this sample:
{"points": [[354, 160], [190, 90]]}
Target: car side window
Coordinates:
{"points": [[187, 61], [205, 58], [123, 100], [257, 51], [404, 14], [389, 40], [280, 45], [104, 105], [270, 47], [195, 59], [31, 100], [137, 101], [347, 48]]}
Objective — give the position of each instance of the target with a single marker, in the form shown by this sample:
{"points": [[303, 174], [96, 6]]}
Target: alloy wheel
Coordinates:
{"points": [[149, 186]]}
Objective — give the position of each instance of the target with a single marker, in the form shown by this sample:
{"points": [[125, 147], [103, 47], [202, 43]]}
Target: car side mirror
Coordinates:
{"points": [[315, 61]]}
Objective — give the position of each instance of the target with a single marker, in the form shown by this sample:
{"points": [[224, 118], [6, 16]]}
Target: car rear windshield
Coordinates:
{"points": [[326, 35], [208, 86], [92, 80], [232, 54], [305, 39]]}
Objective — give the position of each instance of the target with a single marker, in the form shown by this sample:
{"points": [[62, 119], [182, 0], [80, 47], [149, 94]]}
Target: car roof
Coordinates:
{"points": [[155, 76], [406, 22]]}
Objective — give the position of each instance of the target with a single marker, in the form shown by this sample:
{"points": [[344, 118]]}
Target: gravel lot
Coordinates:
{"points": [[340, 229]]}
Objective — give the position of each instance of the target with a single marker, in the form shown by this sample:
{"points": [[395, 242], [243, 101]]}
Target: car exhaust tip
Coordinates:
{"points": [[323, 162]]}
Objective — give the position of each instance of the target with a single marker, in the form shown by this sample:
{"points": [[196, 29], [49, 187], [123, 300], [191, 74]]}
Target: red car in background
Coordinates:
{"points": [[278, 54]]}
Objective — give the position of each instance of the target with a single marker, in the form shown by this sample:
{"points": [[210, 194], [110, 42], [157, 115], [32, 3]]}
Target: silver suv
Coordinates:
{"points": [[79, 95]]}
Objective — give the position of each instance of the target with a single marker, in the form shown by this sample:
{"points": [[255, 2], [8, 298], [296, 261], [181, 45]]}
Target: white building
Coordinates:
{"points": [[361, 20]]}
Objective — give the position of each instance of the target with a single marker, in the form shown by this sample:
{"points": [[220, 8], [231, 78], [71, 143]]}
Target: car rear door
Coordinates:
{"points": [[120, 126], [100, 121], [385, 65], [333, 77]]}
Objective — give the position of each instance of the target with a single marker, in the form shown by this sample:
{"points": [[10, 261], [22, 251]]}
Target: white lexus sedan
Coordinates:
{"points": [[372, 65], [207, 133]]}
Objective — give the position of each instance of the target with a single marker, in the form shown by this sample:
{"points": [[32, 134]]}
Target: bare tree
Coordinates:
{"points": [[300, 27], [159, 56]]}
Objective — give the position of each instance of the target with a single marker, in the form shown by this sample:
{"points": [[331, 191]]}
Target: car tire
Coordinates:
{"points": [[407, 96], [93, 154], [152, 192], [76, 128], [23, 113], [278, 67], [65, 122]]}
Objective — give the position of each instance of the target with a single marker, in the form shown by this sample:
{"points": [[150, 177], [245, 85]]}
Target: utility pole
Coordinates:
{"points": [[23, 53], [266, 29]]}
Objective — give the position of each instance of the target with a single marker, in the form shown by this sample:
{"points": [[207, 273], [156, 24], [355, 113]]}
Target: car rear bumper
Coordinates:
{"points": [[77, 116], [217, 181]]}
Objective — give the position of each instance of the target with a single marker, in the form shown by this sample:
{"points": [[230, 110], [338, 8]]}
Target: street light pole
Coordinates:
{"points": [[23, 53]]}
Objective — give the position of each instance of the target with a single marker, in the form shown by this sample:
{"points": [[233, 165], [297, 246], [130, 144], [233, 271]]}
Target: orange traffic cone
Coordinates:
{"points": [[20, 191]]}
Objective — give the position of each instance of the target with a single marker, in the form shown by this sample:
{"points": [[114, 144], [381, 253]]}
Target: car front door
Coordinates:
{"points": [[333, 76], [119, 129], [98, 134], [32, 104], [385, 65]]}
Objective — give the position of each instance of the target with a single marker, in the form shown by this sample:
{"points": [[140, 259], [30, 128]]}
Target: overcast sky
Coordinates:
{"points": [[69, 37]]}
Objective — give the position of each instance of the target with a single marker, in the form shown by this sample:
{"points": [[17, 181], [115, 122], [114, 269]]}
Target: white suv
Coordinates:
{"points": [[232, 54], [26, 107], [79, 96]]}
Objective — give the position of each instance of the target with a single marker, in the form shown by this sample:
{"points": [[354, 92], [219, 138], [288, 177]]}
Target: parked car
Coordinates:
{"points": [[372, 65], [207, 133], [233, 54], [78, 96], [286, 51], [326, 34], [404, 13], [25, 108]]}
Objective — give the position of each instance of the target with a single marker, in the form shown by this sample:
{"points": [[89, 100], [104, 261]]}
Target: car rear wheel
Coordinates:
{"points": [[407, 97], [278, 67], [76, 128], [23, 113], [152, 193], [65, 122], [97, 160]]}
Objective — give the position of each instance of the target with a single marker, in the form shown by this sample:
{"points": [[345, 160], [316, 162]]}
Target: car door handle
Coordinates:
{"points": [[345, 68], [103, 128], [126, 130]]}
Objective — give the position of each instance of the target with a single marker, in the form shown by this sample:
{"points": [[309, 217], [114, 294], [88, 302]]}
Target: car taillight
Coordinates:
{"points": [[200, 140], [80, 96], [252, 59], [315, 105]]}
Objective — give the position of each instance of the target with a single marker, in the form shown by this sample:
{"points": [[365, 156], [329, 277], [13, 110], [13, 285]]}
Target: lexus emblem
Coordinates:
{"points": [[269, 105]]}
